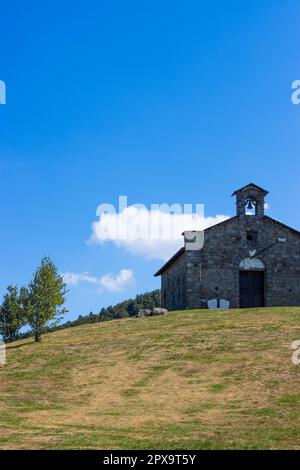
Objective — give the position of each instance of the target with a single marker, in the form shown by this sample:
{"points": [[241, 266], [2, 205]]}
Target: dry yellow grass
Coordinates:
{"points": [[199, 379]]}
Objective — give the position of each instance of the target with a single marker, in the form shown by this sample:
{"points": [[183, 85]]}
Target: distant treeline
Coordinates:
{"points": [[125, 309]]}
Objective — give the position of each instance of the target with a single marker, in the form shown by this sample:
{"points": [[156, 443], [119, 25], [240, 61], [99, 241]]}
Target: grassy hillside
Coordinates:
{"points": [[199, 379]]}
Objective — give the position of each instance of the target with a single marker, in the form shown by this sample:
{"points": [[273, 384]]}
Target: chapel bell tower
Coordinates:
{"points": [[250, 200]]}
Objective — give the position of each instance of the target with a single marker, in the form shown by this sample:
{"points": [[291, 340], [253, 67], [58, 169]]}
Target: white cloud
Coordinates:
{"points": [[152, 234], [108, 282], [119, 282], [73, 279]]}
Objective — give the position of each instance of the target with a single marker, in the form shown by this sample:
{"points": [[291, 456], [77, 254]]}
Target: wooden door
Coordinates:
{"points": [[252, 287]]}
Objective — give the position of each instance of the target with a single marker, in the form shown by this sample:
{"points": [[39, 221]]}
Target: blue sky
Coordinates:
{"points": [[161, 101]]}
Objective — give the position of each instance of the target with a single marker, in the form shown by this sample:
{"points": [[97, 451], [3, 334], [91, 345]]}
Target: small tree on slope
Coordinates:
{"points": [[44, 298], [12, 316]]}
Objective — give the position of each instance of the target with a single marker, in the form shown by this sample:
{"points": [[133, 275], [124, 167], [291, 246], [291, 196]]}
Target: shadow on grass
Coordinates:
{"points": [[17, 346]]}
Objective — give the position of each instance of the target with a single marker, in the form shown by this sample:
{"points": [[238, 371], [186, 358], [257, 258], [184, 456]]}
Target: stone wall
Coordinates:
{"points": [[173, 290]]}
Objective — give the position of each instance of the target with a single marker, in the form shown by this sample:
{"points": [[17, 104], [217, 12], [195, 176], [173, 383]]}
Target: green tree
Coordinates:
{"points": [[44, 298], [12, 316]]}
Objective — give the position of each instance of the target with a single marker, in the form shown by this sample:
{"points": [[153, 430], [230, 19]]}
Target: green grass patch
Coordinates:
{"points": [[193, 379]]}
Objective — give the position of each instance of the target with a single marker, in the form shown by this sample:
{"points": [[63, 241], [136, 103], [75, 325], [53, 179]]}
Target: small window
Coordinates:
{"points": [[251, 237]]}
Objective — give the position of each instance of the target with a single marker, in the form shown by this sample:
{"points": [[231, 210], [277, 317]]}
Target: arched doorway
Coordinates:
{"points": [[252, 283]]}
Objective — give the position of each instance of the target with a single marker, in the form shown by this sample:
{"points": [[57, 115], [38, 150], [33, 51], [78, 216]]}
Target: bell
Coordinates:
{"points": [[250, 204]]}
